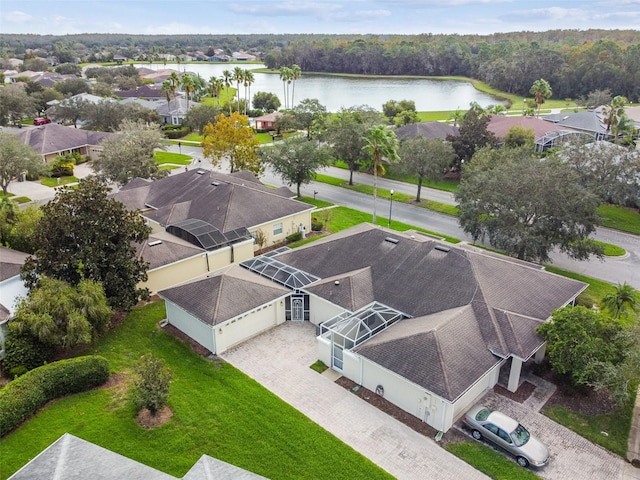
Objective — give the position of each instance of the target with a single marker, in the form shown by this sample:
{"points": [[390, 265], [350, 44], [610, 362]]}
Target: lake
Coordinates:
{"points": [[335, 92]]}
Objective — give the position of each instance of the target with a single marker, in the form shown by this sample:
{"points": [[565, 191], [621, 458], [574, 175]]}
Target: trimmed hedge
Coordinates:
{"points": [[20, 399]]}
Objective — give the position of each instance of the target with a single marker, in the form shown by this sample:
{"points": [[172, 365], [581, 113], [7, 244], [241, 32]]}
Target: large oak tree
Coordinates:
{"points": [[84, 234]]}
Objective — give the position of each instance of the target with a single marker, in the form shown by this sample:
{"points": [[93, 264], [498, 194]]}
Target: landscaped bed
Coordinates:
{"points": [[217, 410]]}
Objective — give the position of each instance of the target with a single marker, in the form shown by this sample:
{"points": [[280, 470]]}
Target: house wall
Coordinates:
{"points": [[324, 350], [467, 399], [320, 310], [290, 225], [250, 324], [11, 290], [188, 324], [181, 271]]}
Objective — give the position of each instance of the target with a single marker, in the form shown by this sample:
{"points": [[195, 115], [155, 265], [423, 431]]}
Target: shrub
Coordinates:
{"points": [[20, 399], [151, 388], [316, 226], [25, 351], [294, 237], [175, 131]]}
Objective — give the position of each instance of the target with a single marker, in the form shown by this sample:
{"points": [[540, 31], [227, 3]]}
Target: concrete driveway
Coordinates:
{"points": [[572, 456], [280, 358]]}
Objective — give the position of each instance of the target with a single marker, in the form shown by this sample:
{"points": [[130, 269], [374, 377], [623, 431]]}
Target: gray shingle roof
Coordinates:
{"points": [[235, 202], [221, 297], [587, 121], [11, 262], [54, 138], [427, 130], [172, 249]]}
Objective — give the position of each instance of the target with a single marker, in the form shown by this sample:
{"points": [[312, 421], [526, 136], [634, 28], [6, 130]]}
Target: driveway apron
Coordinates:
{"points": [[280, 358]]}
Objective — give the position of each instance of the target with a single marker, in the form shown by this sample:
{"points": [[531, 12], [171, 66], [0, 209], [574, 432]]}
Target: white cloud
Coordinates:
{"points": [[15, 17]]}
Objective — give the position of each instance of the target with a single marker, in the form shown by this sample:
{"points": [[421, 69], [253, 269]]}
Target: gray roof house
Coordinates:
{"points": [[430, 326], [202, 221], [72, 458], [51, 139], [427, 130], [589, 121], [12, 288], [176, 110]]}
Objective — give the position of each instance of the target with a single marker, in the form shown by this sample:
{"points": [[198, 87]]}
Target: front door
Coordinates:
{"points": [[297, 308]]}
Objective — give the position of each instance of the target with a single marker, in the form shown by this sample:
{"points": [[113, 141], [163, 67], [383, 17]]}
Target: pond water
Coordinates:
{"points": [[335, 92]]}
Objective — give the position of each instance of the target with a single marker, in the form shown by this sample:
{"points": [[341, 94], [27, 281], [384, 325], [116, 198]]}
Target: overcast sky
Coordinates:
{"points": [[315, 16]]}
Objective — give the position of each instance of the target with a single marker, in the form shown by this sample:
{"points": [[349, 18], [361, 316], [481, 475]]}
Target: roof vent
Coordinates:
{"points": [[215, 184], [442, 248], [564, 118], [155, 242], [391, 240], [200, 172], [337, 282]]}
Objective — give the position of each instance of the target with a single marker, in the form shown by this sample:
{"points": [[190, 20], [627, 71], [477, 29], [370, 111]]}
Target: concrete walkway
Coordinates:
{"points": [[632, 470], [280, 358]]}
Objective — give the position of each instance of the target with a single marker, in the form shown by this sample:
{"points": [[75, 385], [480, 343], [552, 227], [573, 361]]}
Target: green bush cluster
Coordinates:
{"points": [[316, 226], [62, 165], [24, 352], [294, 237], [175, 131], [23, 396]]}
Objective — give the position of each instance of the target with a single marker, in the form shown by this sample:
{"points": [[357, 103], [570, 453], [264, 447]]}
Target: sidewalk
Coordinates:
{"points": [[632, 470]]}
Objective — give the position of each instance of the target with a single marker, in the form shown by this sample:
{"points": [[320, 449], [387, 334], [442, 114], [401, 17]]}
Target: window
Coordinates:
{"points": [[492, 428], [277, 229], [504, 436]]}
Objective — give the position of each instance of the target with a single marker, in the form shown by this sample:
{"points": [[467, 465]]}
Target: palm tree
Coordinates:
{"points": [[541, 90], [216, 84], [174, 80], [381, 144], [613, 113], [188, 86], [167, 89], [296, 73], [625, 297], [248, 80], [227, 77], [238, 77], [285, 76]]}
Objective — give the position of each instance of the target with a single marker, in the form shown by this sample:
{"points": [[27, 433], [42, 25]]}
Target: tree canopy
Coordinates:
{"points": [[84, 234], [473, 134], [428, 159], [296, 160], [59, 314], [527, 206], [269, 102], [16, 158], [309, 115], [231, 138], [129, 153]]}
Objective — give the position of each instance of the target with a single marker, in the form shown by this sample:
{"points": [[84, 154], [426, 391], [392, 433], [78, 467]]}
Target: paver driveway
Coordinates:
{"points": [[572, 456], [280, 358]]}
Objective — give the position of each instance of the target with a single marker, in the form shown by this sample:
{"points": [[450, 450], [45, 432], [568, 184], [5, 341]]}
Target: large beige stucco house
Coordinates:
{"points": [[202, 221], [428, 325]]}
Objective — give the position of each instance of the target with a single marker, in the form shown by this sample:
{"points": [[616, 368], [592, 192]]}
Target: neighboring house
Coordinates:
{"points": [[119, 59], [266, 122], [243, 57], [589, 121], [72, 458], [12, 288], [427, 130], [175, 111], [546, 134], [146, 92], [51, 140], [202, 221], [430, 326]]}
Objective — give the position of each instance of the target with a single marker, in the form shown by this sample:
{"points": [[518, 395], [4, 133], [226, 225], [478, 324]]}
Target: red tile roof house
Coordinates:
{"points": [[51, 140], [546, 134], [430, 326]]}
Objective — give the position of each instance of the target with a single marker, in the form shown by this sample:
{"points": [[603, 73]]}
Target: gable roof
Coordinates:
{"points": [[73, 458], [163, 248], [587, 121], [225, 201], [230, 293], [54, 138], [427, 129]]}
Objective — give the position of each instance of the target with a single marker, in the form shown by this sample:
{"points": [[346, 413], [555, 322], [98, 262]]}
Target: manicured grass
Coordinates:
{"points": [[434, 116], [163, 158], [611, 250], [318, 366], [14, 198], [620, 218], [53, 182], [192, 137], [264, 138], [490, 462], [383, 193], [316, 202], [616, 425], [218, 411], [168, 167], [594, 293]]}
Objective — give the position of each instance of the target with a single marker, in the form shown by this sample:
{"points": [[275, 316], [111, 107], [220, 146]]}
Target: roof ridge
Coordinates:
{"points": [[447, 384], [217, 302], [227, 213]]}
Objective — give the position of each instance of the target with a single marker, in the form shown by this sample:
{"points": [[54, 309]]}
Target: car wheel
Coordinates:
{"points": [[476, 434], [523, 462]]}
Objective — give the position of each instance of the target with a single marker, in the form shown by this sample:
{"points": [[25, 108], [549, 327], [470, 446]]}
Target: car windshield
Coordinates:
{"points": [[483, 414], [520, 436]]}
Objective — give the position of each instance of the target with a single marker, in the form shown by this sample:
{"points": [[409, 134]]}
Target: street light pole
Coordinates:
{"points": [[390, 207]]}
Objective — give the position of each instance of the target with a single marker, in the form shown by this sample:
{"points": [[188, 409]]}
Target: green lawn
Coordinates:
{"points": [[168, 167], [488, 461], [53, 182], [594, 293], [217, 410], [611, 250], [163, 158], [14, 198], [616, 425], [192, 137], [620, 218]]}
